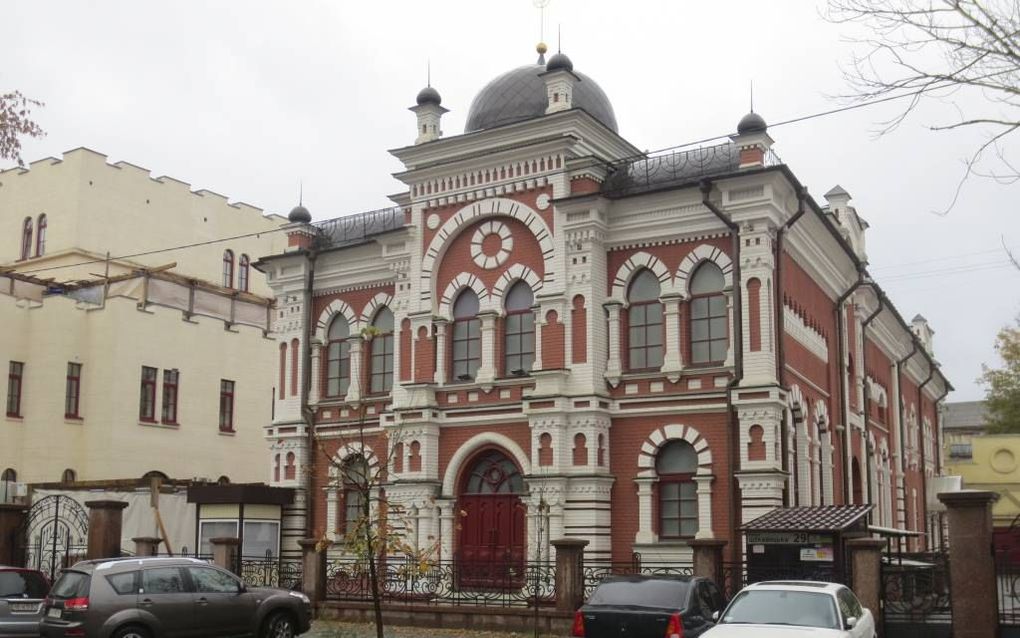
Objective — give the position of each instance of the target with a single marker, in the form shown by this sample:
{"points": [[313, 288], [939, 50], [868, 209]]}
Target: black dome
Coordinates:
{"points": [[299, 215], [429, 95], [559, 61], [520, 94], [752, 123]]}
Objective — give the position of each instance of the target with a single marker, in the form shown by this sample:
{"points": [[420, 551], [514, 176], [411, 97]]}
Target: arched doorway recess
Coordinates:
{"points": [[492, 535]]}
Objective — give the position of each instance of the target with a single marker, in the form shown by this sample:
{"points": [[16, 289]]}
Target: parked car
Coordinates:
{"points": [[659, 606], [22, 592], [769, 610], [165, 598]]}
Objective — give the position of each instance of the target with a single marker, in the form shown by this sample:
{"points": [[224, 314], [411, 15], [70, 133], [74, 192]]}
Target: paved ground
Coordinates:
{"points": [[324, 629]]}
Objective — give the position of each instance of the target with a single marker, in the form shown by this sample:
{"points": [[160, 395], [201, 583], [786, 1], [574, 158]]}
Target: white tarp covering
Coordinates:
{"points": [[139, 517]]}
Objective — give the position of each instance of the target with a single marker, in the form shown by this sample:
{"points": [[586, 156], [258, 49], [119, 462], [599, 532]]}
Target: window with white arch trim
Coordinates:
{"points": [[676, 463], [644, 323], [380, 361], [467, 336], [709, 336], [519, 330]]}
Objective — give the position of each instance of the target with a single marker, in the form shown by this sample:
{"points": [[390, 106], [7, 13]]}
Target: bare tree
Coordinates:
{"points": [[941, 49], [379, 529], [16, 122]]}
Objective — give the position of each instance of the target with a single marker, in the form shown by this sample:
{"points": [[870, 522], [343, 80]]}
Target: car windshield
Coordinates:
{"points": [[667, 594], [71, 585], [777, 607], [22, 584]]}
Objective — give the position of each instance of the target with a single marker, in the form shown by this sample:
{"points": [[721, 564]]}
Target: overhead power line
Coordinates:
{"points": [[794, 120]]}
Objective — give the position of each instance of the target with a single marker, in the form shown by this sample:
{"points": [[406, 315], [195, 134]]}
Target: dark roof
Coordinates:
{"points": [[824, 518], [672, 168], [966, 414], [429, 95], [520, 94], [354, 229], [752, 123], [299, 214], [837, 191], [248, 493], [559, 61]]}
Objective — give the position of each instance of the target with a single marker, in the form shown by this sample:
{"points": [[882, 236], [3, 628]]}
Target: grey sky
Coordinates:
{"points": [[248, 98]]}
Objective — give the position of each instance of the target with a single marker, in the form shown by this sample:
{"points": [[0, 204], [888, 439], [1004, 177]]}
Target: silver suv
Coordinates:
{"points": [[166, 598], [21, 601]]}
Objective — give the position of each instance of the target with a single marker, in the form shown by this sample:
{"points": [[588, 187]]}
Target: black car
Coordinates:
{"points": [[653, 606], [166, 598]]}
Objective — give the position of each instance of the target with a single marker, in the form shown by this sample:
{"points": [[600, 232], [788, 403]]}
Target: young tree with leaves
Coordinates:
{"points": [[16, 122], [1003, 394]]}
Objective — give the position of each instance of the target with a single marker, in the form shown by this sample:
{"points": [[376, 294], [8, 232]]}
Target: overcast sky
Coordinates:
{"points": [[249, 98]]}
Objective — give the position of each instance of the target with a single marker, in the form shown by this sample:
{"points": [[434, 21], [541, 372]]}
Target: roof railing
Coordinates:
{"points": [[351, 229]]}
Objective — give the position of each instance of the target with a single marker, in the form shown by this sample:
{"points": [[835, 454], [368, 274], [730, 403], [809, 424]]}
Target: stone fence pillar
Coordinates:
{"points": [[972, 563], [224, 553], [866, 567], [313, 563], [708, 559], [146, 545], [569, 573], [12, 517], [105, 522]]}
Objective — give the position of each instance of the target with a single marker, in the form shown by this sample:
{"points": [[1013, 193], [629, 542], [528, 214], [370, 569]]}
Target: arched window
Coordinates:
{"points": [[494, 473], [228, 269], [69, 476], [380, 364], [857, 485], [467, 336], [40, 236], [26, 238], [223, 480], [7, 481], [338, 358], [242, 273], [644, 336], [155, 474], [708, 315], [9, 475], [676, 464], [519, 334], [290, 469], [355, 476]]}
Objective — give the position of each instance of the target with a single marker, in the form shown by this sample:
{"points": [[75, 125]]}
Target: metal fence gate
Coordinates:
{"points": [[54, 535], [915, 596]]}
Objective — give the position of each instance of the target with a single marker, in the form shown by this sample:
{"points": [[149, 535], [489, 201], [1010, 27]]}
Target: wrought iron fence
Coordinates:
{"points": [[271, 571], [676, 166], [353, 228], [594, 572], [1007, 577], [916, 596], [451, 582]]}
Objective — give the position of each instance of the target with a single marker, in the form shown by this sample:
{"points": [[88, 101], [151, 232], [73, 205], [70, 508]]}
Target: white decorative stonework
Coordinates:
{"points": [[433, 221], [497, 259], [542, 201]]}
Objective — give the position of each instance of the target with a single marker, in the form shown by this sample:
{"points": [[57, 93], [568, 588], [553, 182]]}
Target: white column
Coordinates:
{"points": [[442, 366], [730, 345], [704, 505], [315, 386], [446, 514], [827, 495], [354, 388], [613, 367], [816, 461], [331, 505], [645, 533], [672, 362], [487, 370], [539, 323], [803, 462]]}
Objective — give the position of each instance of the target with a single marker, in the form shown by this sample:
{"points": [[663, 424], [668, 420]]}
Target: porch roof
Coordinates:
{"points": [[823, 518]]}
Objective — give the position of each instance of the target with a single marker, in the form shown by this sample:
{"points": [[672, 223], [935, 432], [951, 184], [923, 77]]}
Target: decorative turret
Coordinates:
{"points": [[850, 224], [429, 111], [919, 326], [752, 140], [300, 232], [559, 83]]}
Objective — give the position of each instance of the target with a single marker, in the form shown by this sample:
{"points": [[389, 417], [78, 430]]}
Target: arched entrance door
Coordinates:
{"points": [[491, 547]]}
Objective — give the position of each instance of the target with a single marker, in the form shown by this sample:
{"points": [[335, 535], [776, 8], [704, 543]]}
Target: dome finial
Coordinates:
{"points": [[299, 214], [541, 48]]}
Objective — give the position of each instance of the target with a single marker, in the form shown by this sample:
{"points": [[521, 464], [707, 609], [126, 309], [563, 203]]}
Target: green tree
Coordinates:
{"points": [[1003, 394], [15, 123]]}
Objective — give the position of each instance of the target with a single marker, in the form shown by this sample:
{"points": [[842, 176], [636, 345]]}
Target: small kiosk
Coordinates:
{"points": [[803, 543]]}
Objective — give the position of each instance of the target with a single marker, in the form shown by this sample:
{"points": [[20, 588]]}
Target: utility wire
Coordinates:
{"points": [[794, 120]]}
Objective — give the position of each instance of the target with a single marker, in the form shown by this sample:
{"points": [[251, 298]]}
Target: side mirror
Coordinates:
{"points": [[851, 622], [715, 616]]}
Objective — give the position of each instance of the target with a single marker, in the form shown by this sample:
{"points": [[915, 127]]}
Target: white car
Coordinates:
{"points": [[794, 609]]}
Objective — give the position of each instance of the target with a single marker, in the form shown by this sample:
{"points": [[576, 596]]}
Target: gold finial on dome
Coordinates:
{"points": [[541, 48]]}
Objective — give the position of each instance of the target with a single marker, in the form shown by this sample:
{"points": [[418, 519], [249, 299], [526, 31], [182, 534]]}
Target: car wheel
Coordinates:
{"points": [[279, 625], [131, 631]]}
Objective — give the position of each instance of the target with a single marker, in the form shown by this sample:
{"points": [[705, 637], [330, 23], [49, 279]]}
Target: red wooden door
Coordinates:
{"points": [[492, 548]]}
